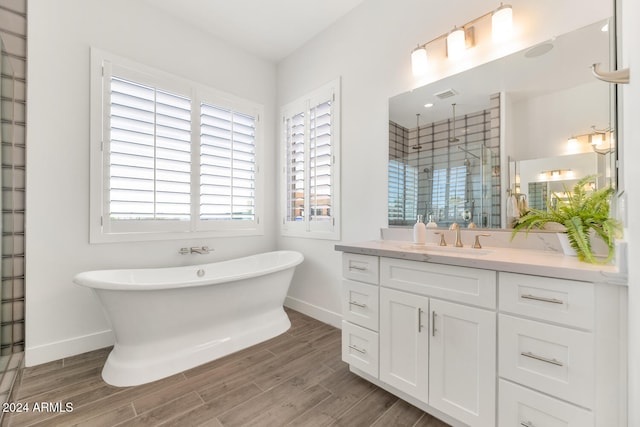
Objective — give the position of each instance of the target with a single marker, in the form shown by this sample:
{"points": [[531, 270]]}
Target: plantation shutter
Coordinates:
{"points": [[457, 193], [403, 193], [149, 149], [295, 171], [449, 191], [320, 162], [227, 164], [311, 141]]}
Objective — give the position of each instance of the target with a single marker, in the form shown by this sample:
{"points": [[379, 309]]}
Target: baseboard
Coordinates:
{"points": [[66, 348], [318, 313]]}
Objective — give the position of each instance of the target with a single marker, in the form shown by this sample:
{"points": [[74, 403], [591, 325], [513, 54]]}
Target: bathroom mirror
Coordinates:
{"points": [[539, 110]]}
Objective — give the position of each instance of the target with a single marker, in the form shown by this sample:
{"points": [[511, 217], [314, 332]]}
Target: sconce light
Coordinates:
{"points": [[419, 60], [456, 43], [502, 23], [462, 38], [556, 175], [598, 139]]}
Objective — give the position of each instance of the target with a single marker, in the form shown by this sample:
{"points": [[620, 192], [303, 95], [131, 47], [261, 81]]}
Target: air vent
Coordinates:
{"points": [[448, 93]]}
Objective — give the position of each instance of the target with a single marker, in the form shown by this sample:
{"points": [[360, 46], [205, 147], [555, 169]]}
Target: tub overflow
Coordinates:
{"points": [[200, 273]]}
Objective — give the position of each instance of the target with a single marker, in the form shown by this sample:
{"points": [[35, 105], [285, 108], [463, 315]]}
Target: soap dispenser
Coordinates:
{"points": [[419, 232], [431, 223]]}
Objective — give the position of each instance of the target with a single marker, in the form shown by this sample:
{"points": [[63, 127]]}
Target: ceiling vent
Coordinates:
{"points": [[448, 93]]}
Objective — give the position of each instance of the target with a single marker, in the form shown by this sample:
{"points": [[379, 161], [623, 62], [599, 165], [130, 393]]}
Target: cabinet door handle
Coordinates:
{"points": [[543, 299], [355, 267], [357, 304], [542, 359], [433, 323], [359, 350], [419, 320]]}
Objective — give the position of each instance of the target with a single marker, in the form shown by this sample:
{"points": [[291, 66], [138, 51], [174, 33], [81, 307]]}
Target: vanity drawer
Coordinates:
{"points": [[521, 407], [360, 304], [360, 348], [363, 268], [567, 302], [459, 284], [553, 359]]}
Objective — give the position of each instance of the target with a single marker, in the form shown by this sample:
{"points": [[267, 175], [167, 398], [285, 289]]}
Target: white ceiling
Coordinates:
{"points": [[270, 29]]}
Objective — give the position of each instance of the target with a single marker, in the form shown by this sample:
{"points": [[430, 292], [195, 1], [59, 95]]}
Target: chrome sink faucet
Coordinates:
{"points": [[455, 227]]}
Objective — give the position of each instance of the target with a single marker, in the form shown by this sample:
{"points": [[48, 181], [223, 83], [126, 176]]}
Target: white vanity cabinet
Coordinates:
{"points": [[558, 351], [478, 347], [434, 348], [360, 312]]}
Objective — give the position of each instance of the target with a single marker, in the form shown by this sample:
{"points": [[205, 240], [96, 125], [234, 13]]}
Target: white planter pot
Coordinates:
{"points": [[566, 246]]}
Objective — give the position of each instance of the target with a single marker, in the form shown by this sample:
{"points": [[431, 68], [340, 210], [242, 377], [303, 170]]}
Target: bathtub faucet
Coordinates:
{"points": [[202, 250]]}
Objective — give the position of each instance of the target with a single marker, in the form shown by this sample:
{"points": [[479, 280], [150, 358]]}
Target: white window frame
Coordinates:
{"points": [[329, 230], [102, 229]]}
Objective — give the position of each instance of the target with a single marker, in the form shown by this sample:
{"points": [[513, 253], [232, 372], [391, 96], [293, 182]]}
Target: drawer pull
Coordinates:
{"points": [[433, 323], [359, 350], [526, 424], [542, 359], [355, 267], [543, 299], [357, 304]]}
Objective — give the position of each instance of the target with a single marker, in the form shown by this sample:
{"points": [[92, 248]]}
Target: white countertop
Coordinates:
{"points": [[526, 261]]}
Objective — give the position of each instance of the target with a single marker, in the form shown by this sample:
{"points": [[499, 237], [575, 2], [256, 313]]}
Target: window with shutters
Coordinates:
{"points": [[403, 192], [311, 172], [448, 192], [170, 157]]}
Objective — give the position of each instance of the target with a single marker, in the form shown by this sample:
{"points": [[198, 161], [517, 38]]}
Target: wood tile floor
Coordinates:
{"points": [[295, 379]]}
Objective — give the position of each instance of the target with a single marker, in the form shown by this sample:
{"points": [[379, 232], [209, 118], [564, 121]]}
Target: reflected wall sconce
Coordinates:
{"points": [[462, 38], [556, 175], [599, 140]]}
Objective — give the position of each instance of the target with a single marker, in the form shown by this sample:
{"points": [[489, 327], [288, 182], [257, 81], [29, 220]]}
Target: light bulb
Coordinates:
{"points": [[456, 43], [419, 61], [502, 23]]}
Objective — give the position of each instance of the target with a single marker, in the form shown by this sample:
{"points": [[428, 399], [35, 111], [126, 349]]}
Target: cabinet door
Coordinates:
{"points": [[404, 342], [462, 365]]}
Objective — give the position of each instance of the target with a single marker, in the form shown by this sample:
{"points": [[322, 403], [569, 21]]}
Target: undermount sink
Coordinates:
{"points": [[445, 249]]}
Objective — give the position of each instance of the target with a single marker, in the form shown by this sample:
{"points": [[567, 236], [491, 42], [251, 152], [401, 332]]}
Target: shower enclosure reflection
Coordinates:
{"points": [[448, 171]]}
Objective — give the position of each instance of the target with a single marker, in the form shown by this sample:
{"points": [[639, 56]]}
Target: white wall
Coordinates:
{"points": [[65, 319], [370, 48], [542, 124], [630, 153]]}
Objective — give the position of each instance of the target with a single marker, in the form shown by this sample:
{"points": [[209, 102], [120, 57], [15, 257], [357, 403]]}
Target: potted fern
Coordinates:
{"points": [[581, 213]]}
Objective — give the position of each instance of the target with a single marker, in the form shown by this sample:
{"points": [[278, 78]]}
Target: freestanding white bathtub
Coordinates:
{"points": [[167, 320]]}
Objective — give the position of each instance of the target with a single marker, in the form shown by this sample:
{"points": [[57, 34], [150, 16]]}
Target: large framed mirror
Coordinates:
{"points": [[482, 145]]}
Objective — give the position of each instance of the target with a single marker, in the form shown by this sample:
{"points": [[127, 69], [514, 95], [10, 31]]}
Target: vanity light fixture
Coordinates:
{"points": [[598, 139], [556, 175], [461, 38]]}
